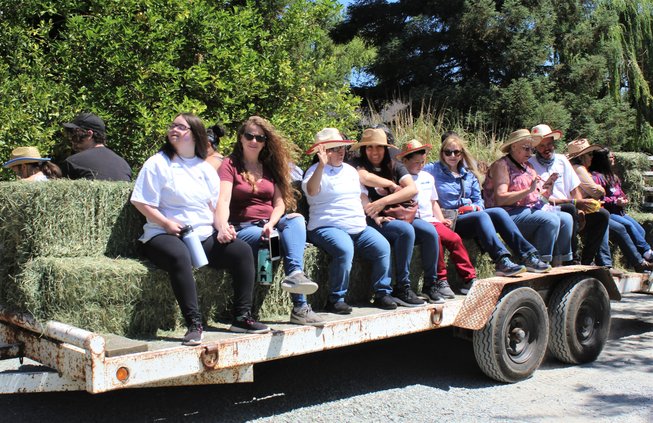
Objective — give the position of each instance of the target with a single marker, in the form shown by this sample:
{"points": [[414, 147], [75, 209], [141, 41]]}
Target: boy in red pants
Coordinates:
{"points": [[413, 156]]}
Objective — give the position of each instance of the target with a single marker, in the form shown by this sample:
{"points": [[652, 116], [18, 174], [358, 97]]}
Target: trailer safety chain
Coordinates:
{"points": [[210, 355], [436, 314]]}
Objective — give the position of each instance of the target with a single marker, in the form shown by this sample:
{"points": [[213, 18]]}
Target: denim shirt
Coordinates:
{"points": [[448, 186]]}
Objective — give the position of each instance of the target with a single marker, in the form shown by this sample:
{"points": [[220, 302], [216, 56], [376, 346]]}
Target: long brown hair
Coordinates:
{"points": [[199, 136], [466, 157], [275, 156]]}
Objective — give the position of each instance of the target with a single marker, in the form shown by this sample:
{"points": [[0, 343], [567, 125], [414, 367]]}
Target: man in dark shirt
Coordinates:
{"points": [[92, 158]]}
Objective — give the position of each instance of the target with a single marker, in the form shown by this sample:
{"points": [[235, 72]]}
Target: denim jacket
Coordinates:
{"points": [[448, 186]]}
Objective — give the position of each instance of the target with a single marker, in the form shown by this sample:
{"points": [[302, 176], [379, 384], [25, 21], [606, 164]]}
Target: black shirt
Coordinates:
{"points": [[97, 163]]}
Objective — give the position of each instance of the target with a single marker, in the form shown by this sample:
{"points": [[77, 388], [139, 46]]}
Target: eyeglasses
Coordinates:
{"points": [[527, 148], [452, 152], [178, 126], [336, 149], [258, 138]]}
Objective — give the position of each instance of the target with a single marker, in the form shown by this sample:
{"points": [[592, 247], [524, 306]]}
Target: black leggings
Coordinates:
{"points": [[170, 254], [595, 226]]}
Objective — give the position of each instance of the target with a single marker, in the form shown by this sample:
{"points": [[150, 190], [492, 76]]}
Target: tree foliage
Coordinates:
{"points": [[137, 63], [582, 66]]}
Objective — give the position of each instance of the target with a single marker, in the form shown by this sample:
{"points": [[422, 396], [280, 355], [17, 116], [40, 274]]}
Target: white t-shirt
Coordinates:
{"points": [[426, 193], [567, 178], [184, 190], [338, 204]]}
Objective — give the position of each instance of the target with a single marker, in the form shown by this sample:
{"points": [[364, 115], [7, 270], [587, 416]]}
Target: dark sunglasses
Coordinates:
{"points": [[178, 126], [258, 138], [452, 152]]}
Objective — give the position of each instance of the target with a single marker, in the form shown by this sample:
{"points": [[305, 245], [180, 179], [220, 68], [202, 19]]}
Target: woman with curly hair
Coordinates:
{"points": [[255, 192]]}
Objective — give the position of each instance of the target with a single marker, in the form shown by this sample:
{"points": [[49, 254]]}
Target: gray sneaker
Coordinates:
{"points": [[298, 283], [534, 264], [304, 315]]}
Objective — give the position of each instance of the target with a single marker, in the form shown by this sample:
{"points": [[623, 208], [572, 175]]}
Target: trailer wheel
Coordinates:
{"points": [[512, 344], [579, 314]]}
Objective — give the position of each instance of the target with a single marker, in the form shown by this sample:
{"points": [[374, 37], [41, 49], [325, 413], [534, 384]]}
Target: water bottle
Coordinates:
{"points": [[194, 245], [264, 263]]}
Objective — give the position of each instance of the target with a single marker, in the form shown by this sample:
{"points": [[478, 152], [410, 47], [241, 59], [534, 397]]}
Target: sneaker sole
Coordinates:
{"points": [[298, 321], [431, 300], [403, 303], [193, 343], [522, 270], [465, 291], [237, 329], [533, 270], [306, 289]]}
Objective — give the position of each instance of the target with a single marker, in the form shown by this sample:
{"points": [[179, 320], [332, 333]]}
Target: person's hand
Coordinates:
{"points": [[226, 234], [621, 201], [534, 184], [447, 223], [373, 208], [380, 220], [267, 230], [172, 228], [548, 185], [322, 155]]}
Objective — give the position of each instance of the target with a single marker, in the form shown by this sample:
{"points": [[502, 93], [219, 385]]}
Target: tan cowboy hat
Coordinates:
{"points": [[545, 131], [520, 135], [412, 146], [371, 136], [581, 146], [22, 155], [329, 138]]}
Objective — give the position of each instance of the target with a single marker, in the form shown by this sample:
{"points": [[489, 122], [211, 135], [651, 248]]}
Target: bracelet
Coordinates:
{"points": [[573, 201]]}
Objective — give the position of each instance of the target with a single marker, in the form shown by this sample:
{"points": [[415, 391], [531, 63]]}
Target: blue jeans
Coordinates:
{"points": [[485, 224], [428, 238], [401, 236], [292, 240], [604, 255], [340, 245], [635, 230], [549, 232], [621, 236]]}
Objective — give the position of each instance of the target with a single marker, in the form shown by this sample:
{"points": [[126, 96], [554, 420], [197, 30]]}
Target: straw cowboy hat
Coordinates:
{"points": [[520, 135], [411, 147], [545, 131], [25, 155], [329, 138], [581, 146], [372, 137]]}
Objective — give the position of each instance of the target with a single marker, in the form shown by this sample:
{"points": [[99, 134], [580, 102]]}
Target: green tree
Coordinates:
{"points": [[136, 63]]}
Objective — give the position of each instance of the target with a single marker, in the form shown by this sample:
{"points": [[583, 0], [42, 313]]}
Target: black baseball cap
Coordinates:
{"points": [[87, 121]]}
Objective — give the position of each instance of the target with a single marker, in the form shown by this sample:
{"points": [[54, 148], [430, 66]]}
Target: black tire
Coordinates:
{"points": [[512, 344], [579, 315]]}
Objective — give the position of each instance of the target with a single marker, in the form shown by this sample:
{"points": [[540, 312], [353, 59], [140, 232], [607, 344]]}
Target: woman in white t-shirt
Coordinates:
{"points": [[175, 188], [337, 222]]}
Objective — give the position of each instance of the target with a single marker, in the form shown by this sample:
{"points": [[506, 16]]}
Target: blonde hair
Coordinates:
{"points": [[465, 157]]}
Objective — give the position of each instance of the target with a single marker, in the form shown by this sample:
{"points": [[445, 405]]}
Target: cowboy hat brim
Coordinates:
{"points": [[368, 143], [535, 141], [329, 144], [591, 148], [24, 160], [425, 147]]}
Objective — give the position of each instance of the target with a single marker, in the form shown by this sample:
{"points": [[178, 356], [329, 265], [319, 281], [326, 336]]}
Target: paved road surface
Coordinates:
{"points": [[424, 377]]}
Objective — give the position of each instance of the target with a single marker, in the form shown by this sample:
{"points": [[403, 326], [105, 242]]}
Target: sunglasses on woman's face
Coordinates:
{"points": [[178, 126], [258, 138], [452, 152]]}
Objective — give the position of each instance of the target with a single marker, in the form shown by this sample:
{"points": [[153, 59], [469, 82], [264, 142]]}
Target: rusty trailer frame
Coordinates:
{"points": [[80, 359]]}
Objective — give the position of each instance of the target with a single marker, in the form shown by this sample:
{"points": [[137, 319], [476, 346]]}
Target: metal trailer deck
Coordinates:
{"points": [[83, 360]]}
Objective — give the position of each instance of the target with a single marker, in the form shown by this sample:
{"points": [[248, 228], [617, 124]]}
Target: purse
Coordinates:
{"points": [[405, 211]]}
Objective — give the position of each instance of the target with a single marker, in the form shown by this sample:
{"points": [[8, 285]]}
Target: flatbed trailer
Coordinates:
{"points": [[512, 321]]}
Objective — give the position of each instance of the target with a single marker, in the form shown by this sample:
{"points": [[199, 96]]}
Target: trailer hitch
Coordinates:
{"points": [[436, 314]]}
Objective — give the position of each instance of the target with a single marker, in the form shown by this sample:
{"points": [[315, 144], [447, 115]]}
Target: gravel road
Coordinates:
{"points": [[425, 377]]}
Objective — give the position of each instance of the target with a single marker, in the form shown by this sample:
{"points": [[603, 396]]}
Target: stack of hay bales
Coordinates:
{"points": [[69, 252]]}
